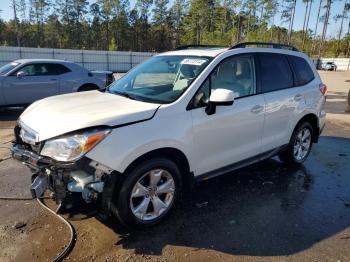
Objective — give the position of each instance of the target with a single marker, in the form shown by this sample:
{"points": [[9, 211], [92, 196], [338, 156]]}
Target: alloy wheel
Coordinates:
{"points": [[302, 144], [152, 195]]}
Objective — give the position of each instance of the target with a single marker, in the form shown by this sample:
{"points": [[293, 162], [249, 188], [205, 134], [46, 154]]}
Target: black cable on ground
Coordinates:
{"points": [[68, 248], [20, 198]]}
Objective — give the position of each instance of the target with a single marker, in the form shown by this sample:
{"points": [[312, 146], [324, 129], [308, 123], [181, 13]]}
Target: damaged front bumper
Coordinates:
{"points": [[84, 176]]}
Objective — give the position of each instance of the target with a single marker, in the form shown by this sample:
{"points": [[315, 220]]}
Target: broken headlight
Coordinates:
{"points": [[72, 147]]}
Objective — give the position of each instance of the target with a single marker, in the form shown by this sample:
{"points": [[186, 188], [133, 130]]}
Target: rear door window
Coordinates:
{"points": [[275, 72], [303, 74]]}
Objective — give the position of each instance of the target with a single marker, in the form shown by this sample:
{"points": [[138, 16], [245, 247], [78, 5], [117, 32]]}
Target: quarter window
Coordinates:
{"points": [[302, 70], [57, 69], [275, 72]]}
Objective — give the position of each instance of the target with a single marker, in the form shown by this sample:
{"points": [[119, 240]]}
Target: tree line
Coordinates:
{"points": [[157, 25]]}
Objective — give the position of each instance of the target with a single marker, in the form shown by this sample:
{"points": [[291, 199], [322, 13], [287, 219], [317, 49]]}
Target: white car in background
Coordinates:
{"points": [[329, 66], [27, 80]]}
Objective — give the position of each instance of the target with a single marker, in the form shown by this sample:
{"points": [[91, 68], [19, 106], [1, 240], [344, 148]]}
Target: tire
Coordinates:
{"points": [[87, 88], [289, 156], [131, 210]]}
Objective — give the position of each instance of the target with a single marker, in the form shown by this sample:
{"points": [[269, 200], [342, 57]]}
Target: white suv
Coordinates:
{"points": [[181, 116]]}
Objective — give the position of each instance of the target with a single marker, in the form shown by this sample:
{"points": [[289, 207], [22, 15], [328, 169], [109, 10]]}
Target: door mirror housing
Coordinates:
{"points": [[20, 74], [219, 97]]}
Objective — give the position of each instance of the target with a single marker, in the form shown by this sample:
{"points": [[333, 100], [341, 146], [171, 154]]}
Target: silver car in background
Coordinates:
{"points": [[27, 80]]}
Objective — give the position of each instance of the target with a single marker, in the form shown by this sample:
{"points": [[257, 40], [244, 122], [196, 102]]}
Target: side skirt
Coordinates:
{"points": [[240, 164]]}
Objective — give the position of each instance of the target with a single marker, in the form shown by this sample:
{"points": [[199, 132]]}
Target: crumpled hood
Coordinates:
{"points": [[61, 114]]}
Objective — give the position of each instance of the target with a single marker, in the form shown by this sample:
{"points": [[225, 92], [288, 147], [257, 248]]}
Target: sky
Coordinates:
{"points": [[337, 6]]}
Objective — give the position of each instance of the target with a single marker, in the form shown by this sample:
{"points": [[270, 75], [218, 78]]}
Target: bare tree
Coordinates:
{"points": [[342, 16], [316, 27], [325, 26], [306, 2], [307, 23], [15, 18], [306, 20], [288, 16]]}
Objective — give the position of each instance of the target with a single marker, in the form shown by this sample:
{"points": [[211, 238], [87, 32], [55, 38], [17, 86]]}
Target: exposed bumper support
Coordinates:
{"points": [[62, 178], [25, 156]]}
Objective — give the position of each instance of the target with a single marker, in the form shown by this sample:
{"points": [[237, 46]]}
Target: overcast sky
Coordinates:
{"points": [[7, 13]]}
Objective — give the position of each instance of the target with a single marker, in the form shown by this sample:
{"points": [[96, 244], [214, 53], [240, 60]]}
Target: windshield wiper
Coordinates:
{"points": [[125, 94]]}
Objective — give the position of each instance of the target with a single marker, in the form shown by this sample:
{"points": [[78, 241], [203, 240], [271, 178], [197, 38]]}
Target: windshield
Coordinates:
{"points": [[161, 79], [7, 68]]}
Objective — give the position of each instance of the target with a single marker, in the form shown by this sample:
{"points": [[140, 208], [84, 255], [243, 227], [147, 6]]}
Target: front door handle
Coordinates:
{"points": [[298, 97], [257, 109]]}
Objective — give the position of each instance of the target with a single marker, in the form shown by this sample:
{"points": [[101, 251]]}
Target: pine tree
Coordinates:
{"points": [[38, 14], [177, 14], [160, 23]]}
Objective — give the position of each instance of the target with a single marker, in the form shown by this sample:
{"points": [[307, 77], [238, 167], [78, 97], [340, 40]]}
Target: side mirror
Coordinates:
{"points": [[20, 74], [219, 97]]}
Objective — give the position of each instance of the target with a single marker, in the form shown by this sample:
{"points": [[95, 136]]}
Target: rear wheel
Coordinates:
{"points": [[299, 146], [148, 193]]}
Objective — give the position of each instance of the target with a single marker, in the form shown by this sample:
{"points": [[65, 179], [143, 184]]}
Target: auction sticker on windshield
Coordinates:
{"points": [[193, 61]]}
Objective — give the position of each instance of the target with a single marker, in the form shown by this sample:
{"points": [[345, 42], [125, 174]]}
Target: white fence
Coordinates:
{"points": [[116, 61]]}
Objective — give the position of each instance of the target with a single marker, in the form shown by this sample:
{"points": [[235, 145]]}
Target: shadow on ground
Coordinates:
{"points": [[267, 209]]}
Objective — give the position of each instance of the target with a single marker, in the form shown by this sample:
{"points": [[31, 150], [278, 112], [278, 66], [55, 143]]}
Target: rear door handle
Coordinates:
{"points": [[257, 109], [298, 97]]}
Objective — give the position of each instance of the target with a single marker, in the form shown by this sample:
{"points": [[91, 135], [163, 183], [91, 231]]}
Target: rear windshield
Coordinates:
{"points": [[7, 68]]}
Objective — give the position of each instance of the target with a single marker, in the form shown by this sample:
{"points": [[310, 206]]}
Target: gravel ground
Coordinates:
{"points": [[266, 212]]}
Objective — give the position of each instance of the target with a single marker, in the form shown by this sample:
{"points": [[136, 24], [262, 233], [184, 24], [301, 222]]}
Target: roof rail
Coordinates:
{"points": [[273, 45], [183, 47]]}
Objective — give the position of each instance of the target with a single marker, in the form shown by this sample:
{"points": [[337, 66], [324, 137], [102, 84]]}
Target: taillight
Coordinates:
{"points": [[323, 89]]}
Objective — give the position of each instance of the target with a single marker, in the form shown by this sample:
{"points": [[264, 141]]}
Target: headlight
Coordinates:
{"points": [[70, 148]]}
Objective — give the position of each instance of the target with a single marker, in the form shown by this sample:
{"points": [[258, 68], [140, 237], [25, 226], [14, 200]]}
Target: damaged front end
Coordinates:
{"points": [[62, 178]]}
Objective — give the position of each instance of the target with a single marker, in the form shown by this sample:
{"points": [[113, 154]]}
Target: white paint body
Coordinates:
{"points": [[251, 126]]}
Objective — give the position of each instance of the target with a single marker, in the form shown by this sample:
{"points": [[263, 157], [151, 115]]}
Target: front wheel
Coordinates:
{"points": [[148, 193], [299, 146]]}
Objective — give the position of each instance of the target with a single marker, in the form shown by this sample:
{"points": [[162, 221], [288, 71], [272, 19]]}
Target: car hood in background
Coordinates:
{"points": [[58, 115]]}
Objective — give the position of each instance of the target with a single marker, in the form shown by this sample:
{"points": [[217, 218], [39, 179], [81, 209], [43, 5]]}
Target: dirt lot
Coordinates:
{"points": [[266, 212]]}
